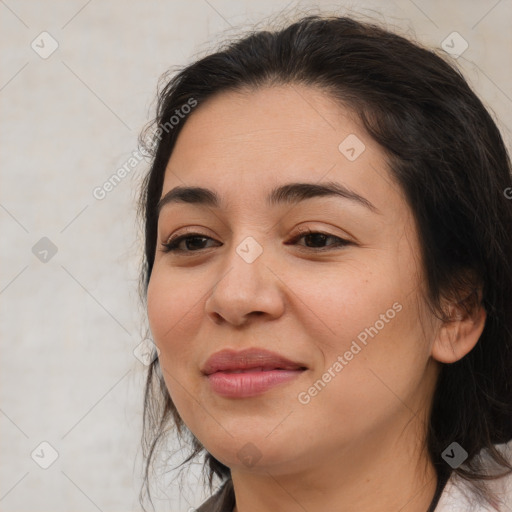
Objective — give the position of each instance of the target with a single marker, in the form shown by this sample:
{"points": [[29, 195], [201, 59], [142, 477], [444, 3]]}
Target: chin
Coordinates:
{"points": [[253, 453]]}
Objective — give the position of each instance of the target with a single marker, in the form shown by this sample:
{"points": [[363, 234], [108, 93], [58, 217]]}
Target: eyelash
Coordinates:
{"points": [[172, 244]]}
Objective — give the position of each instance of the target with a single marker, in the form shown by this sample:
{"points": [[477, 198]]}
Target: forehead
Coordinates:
{"points": [[248, 141], [287, 119]]}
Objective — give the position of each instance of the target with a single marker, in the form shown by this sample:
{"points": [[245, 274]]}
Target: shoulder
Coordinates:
{"points": [[222, 501], [458, 494]]}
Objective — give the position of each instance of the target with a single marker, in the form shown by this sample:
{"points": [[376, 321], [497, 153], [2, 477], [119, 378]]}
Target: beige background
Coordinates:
{"points": [[68, 326]]}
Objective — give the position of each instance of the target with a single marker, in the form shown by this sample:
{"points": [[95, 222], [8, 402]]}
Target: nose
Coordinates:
{"points": [[246, 290]]}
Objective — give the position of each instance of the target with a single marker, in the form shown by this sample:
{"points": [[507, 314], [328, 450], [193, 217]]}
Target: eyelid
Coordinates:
{"points": [[189, 230], [171, 246], [342, 240], [343, 234]]}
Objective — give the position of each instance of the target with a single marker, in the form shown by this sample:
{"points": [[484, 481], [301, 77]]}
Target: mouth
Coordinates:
{"points": [[257, 369], [248, 360], [249, 373], [251, 382]]}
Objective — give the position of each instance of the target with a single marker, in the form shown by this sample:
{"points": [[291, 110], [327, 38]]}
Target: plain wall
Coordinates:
{"points": [[69, 321]]}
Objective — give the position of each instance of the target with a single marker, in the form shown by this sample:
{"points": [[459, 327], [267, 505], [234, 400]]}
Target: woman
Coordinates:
{"points": [[327, 273]]}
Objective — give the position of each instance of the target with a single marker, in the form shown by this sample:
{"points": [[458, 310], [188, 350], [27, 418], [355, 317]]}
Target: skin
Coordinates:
{"points": [[359, 443]]}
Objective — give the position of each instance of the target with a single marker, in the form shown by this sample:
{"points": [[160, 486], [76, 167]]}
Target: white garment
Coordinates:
{"points": [[458, 496]]}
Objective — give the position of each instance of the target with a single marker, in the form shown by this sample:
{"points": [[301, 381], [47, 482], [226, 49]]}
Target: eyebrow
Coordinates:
{"points": [[291, 193]]}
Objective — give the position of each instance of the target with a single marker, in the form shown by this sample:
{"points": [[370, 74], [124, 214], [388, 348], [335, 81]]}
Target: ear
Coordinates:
{"points": [[460, 330]]}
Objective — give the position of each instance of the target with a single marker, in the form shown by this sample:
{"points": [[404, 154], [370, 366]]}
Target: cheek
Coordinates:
{"points": [[160, 308], [170, 300], [158, 302], [370, 317], [173, 314], [342, 303], [171, 307]]}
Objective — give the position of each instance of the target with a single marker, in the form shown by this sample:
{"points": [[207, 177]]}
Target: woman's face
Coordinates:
{"points": [[346, 306]]}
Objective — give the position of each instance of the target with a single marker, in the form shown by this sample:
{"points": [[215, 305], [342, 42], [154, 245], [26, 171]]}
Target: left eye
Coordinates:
{"points": [[317, 237], [191, 239]]}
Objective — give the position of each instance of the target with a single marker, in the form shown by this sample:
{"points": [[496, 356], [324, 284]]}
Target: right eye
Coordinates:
{"points": [[173, 245]]}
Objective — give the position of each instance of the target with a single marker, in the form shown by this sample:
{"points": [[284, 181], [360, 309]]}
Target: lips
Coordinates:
{"points": [[249, 373], [256, 369], [249, 360]]}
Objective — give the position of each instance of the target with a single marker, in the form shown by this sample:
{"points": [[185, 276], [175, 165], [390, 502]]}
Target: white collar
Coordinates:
{"points": [[459, 496]]}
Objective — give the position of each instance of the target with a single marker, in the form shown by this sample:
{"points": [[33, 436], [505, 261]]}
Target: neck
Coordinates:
{"points": [[374, 476]]}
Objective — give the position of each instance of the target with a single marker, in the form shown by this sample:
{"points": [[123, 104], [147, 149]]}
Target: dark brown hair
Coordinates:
{"points": [[447, 154]]}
